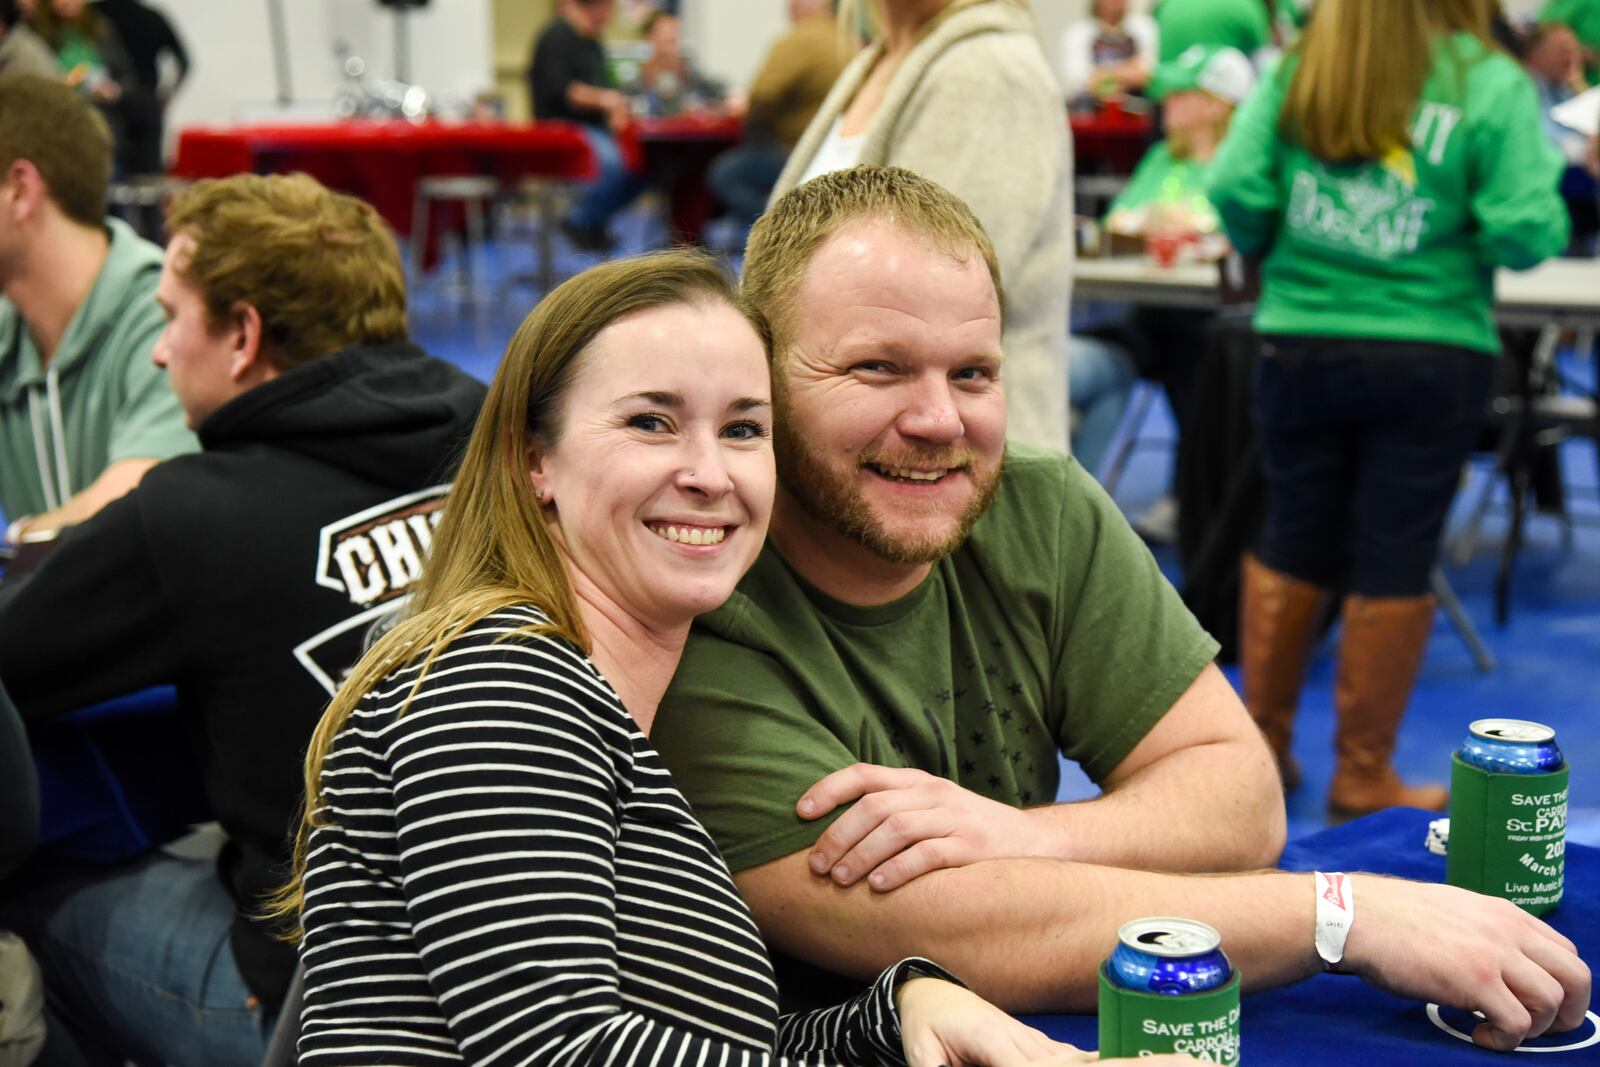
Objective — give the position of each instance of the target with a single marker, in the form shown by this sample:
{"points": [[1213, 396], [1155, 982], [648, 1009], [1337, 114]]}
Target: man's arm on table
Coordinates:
{"points": [[114, 482], [91, 622], [1199, 792], [1029, 934]]}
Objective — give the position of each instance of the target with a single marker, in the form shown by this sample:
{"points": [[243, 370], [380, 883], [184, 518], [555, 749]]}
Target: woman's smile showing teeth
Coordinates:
{"points": [[689, 535]]}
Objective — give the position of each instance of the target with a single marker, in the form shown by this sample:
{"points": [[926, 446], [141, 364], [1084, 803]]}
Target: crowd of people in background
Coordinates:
{"points": [[123, 55], [481, 682]]}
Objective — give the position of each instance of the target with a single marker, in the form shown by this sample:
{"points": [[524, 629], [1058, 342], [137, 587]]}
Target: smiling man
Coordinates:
{"points": [[934, 619]]}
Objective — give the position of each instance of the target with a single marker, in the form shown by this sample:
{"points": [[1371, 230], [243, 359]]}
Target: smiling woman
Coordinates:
{"points": [[495, 865]]}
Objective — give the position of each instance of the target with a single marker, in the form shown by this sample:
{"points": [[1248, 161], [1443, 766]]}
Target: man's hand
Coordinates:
{"points": [[907, 822], [1467, 951]]}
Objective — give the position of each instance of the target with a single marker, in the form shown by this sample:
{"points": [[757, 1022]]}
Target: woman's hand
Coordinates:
{"points": [[943, 1025]]}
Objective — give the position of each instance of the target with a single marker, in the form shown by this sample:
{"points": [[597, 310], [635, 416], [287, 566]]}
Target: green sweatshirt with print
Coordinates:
{"points": [[1404, 248]]}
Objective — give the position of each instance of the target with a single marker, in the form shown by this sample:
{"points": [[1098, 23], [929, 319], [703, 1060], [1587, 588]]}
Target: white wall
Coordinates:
{"points": [[729, 38], [230, 46]]}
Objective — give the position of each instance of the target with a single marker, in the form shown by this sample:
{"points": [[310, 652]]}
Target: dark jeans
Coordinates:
{"points": [[614, 186], [743, 177], [1362, 443], [137, 963]]}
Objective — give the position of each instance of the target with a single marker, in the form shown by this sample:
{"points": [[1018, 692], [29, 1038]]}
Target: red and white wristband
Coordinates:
{"points": [[1336, 910]]}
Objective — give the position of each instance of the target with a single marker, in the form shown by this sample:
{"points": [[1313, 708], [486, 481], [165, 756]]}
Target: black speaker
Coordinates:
{"points": [[403, 4]]}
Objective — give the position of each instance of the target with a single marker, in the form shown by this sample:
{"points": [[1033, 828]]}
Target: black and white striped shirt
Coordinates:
{"points": [[507, 875]]}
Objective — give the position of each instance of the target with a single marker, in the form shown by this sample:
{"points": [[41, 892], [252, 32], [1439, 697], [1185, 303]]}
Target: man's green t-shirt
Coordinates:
{"points": [[1051, 629], [1241, 24], [1403, 248]]}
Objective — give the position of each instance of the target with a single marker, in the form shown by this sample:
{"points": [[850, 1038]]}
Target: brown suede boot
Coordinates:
{"points": [[1380, 653], [1278, 619]]}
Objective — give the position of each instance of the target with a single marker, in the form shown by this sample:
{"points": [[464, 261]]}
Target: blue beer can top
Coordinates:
{"points": [[1511, 746], [1170, 956]]}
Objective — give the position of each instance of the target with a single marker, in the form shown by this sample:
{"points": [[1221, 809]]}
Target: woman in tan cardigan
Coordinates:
{"points": [[960, 91]]}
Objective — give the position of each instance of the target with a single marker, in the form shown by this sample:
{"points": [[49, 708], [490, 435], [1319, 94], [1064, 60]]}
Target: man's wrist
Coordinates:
{"points": [[1049, 832], [17, 529], [1336, 913]]}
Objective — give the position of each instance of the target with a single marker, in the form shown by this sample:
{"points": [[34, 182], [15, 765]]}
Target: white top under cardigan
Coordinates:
{"points": [[975, 107]]}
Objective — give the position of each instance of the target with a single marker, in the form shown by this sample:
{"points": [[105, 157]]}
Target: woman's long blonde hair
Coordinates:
{"points": [[492, 548], [1362, 65]]}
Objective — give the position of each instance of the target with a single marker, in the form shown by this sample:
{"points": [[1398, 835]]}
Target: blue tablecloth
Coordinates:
{"points": [[116, 778], [1336, 1019]]}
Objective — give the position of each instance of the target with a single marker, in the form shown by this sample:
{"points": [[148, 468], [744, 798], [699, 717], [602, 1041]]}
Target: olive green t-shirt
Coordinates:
{"points": [[1051, 629]]}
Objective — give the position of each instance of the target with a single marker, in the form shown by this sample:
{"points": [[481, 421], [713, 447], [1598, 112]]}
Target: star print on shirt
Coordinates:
{"points": [[968, 767], [991, 670], [942, 696], [988, 705], [1007, 715], [977, 738], [994, 782], [1015, 689]]}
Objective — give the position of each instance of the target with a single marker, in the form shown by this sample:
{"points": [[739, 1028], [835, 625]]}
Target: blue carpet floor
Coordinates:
{"points": [[1548, 655]]}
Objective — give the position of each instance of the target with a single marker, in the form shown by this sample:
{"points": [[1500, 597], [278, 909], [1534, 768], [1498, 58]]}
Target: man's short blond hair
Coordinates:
{"points": [[320, 267], [784, 240]]}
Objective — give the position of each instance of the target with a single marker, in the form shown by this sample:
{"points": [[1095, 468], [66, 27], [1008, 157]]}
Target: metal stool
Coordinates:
{"points": [[475, 193], [543, 201], [140, 201]]}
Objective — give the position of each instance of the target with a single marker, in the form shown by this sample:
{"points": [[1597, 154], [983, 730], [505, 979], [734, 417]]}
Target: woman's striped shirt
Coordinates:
{"points": [[506, 874]]}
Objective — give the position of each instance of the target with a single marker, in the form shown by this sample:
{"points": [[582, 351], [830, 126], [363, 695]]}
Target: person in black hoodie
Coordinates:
{"points": [[246, 575]]}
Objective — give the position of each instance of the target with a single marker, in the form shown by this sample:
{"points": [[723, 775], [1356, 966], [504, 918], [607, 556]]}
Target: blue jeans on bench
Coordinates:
{"points": [[137, 965]]}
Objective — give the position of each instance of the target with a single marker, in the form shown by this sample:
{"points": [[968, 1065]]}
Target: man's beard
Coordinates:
{"points": [[838, 502]]}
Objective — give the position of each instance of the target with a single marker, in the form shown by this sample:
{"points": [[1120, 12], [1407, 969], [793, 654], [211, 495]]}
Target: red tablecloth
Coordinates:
{"points": [[674, 154], [1111, 139], [381, 161]]}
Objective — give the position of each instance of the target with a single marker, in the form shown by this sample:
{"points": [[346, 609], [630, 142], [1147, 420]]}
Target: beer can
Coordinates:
{"points": [[1168, 988], [1173, 957], [1512, 746], [1508, 813]]}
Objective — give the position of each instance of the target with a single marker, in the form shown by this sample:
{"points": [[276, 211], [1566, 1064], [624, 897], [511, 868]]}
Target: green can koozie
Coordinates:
{"points": [[1508, 835], [1136, 1023]]}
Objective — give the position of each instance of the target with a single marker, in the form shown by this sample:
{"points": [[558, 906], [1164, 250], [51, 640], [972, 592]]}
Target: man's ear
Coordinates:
{"points": [[246, 357], [23, 187]]}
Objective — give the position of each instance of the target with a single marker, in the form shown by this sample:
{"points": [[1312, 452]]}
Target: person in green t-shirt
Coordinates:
{"points": [[1583, 18], [83, 411], [936, 616], [1382, 218], [1241, 24], [1166, 195]]}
